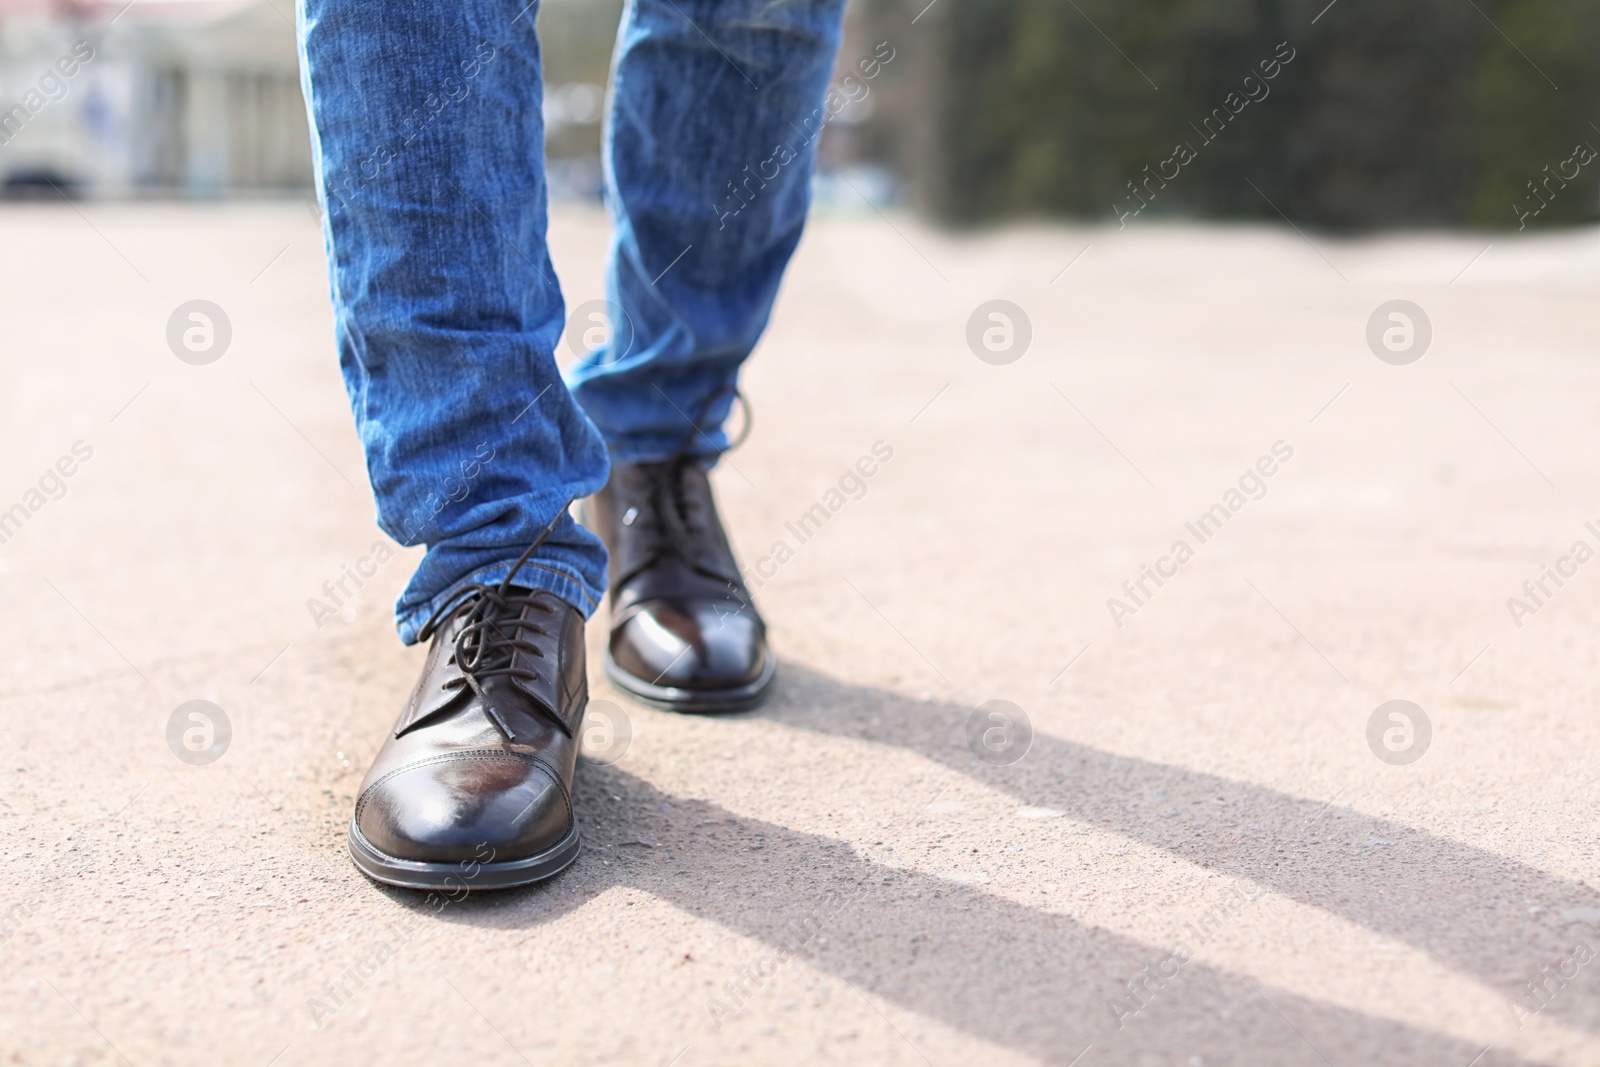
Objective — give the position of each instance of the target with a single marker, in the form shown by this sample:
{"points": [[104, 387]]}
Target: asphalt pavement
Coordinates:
{"points": [[1204, 674]]}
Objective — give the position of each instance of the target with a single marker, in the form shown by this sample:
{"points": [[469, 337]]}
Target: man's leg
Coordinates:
{"points": [[715, 113], [429, 143], [716, 108]]}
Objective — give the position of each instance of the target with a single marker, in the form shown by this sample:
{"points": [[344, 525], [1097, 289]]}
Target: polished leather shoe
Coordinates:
{"points": [[685, 635], [473, 790]]}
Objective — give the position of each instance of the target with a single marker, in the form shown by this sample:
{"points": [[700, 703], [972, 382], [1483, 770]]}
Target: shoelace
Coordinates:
{"points": [[678, 523], [482, 649]]}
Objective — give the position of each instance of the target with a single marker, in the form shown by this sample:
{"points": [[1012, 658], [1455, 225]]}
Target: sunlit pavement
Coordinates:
{"points": [[1196, 836]]}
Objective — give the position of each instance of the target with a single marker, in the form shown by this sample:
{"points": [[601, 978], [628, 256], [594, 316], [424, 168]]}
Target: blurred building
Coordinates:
{"points": [[202, 98], [169, 97]]}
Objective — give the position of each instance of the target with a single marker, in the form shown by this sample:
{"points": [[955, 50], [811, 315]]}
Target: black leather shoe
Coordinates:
{"points": [[474, 788], [685, 635]]}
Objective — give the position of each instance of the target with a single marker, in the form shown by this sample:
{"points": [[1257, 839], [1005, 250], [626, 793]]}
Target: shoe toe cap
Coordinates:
{"points": [[697, 645], [478, 808]]}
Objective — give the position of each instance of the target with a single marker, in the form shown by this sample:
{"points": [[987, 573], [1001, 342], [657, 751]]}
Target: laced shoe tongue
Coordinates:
{"points": [[670, 522], [488, 617], [497, 656], [489, 632], [501, 657]]}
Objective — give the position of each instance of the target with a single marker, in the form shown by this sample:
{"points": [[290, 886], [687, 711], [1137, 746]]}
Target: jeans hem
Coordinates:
{"points": [[543, 575]]}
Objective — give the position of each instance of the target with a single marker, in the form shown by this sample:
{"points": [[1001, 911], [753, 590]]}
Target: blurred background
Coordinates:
{"points": [[1427, 113]]}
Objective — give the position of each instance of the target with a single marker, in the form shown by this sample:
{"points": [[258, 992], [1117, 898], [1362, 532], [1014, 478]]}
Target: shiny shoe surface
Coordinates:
{"points": [[473, 788], [684, 635]]}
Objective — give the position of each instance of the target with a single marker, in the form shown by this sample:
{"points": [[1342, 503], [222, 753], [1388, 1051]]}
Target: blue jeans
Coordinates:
{"points": [[429, 142]]}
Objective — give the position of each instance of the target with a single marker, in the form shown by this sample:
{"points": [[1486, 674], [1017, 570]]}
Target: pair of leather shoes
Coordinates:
{"points": [[473, 790]]}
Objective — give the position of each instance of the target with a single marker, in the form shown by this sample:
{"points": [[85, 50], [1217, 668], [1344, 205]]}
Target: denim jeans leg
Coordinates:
{"points": [[429, 141], [715, 111]]}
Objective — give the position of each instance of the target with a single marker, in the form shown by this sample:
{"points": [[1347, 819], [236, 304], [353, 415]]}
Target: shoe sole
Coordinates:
{"points": [[453, 877], [697, 701]]}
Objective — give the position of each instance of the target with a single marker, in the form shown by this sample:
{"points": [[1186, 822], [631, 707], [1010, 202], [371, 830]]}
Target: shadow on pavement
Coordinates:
{"points": [[1467, 908], [1037, 981]]}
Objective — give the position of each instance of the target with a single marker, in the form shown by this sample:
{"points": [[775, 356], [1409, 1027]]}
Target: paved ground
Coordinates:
{"points": [[837, 877]]}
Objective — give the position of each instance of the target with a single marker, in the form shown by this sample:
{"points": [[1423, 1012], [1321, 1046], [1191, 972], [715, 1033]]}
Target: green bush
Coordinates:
{"points": [[1418, 113]]}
